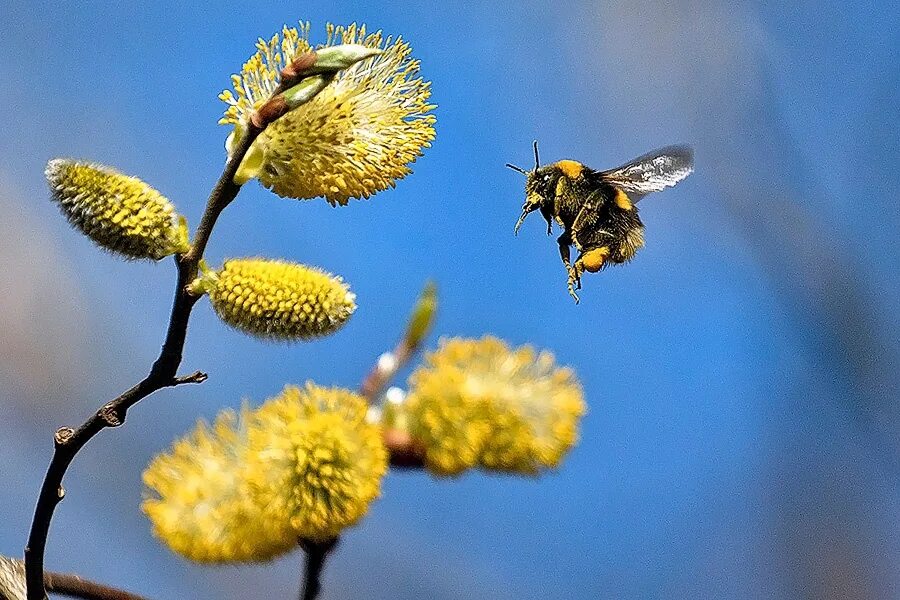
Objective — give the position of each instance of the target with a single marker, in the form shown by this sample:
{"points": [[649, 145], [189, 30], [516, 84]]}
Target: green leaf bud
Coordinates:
{"points": [[422, 316], [331, 59], [306, 90]]}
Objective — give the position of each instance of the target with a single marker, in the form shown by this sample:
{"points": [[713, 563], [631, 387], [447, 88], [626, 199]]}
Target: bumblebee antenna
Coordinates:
{"points": [[518, 169], [537, 160]]}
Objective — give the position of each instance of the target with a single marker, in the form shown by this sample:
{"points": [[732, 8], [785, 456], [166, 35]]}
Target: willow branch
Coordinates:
{"points": [[403, 450], [68, 441]]}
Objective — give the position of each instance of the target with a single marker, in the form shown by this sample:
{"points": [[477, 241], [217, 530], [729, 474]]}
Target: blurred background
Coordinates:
{"points": [[743, 439]]}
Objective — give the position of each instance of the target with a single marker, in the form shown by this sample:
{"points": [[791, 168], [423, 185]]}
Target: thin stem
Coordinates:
{"points": [[384, 370], [316, 553], [77, 587], [163, 373], [389, 363]]}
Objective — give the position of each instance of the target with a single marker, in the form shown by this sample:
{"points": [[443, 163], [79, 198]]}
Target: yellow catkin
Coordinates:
{"points": [[304, 465], [479, 403], [280, 300], [120, 213], [315, 460], [355, 138], [200, 502]]}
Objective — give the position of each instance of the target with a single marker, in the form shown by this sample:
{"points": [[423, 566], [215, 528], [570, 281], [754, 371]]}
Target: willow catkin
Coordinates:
{"points": [[278, 300], [118, 212]]}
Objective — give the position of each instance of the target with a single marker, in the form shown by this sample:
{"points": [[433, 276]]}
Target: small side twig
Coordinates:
{"points": [[195, 377], [12, 584], [78, 587], [316, 553]]}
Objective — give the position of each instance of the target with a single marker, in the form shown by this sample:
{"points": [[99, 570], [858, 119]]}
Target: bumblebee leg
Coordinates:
{"points": [[572, 287], [586, 215], [564, 241], [577, 270], [584, 220]]}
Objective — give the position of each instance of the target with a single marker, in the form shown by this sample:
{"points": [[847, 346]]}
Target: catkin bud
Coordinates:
{"points": [[120, 213], [277, 300], [422, 317]]}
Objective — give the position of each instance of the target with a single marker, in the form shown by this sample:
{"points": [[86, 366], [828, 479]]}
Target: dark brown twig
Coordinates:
{"points": [[12, 584], [163, 373], [77, 587]]}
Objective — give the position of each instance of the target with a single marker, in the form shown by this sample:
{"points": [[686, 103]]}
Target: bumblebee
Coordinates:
{"points": [[597, 210]]}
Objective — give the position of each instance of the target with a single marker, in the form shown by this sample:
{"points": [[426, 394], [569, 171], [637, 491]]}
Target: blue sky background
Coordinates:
{"points": [[743, 438]]}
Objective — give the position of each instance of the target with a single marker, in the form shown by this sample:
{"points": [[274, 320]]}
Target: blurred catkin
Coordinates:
{"points": [[12, 579], [481, 403], [316, 461], [199, 500], [304, 465], [118, 212]]}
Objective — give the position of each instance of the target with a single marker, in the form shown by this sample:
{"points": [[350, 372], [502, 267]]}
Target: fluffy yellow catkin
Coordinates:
{"points": [[118, 212], [304, 465], [316, 460], [278, 300], [481, 403], [200, 502], [356, 137]]}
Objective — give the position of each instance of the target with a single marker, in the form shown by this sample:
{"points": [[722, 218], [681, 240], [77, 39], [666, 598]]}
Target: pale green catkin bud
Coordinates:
{"points": [[277, 300], [120, 213], [422, 317], [306, 90], [332, 59]]}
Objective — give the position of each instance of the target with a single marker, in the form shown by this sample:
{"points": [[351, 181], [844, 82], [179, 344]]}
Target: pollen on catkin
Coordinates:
{"points": [[118, 212], [357, 137], [278, 300], [479, 403], [316, 461], [200, 502]]}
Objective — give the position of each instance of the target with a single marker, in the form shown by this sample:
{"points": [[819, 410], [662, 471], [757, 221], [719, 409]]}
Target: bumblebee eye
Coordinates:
{"points": [[546, 178]]}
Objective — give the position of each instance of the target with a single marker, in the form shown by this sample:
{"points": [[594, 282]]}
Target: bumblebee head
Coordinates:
{"points": [[540, 183]]}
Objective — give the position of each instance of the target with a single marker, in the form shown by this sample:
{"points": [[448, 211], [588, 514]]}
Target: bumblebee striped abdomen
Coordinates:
{"points": [[614, 224]]}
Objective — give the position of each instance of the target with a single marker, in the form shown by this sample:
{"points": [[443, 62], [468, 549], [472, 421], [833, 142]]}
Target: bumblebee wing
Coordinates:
{"points": [[652, 172]]}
